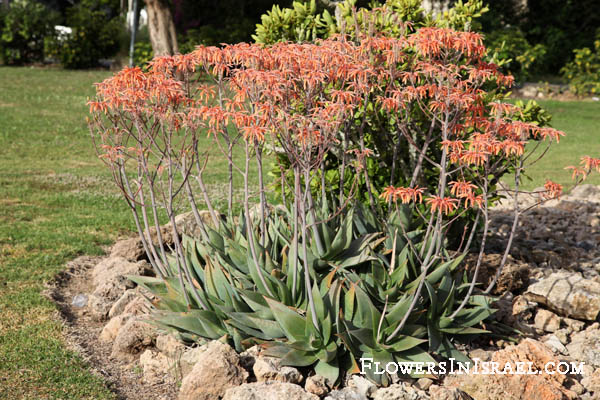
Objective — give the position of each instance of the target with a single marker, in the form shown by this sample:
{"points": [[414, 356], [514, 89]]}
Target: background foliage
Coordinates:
{"points": [[97, 33], [24, 29], [583, 73]]}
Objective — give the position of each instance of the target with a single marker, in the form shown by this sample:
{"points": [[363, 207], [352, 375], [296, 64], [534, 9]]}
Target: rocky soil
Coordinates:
{"points": [[549, 291]]}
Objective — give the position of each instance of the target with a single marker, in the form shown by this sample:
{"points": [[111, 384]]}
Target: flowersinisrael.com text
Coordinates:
{"points": [[454, 367]]}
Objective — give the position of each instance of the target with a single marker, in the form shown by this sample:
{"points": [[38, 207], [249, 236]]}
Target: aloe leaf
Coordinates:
{"points": [[298, 358], [403, 343], [255, 273], [257, 302], [472, 316], [349, 298], [464, 330], [447, 350], [201, 323], [416, 354], [215, 239], [318, 301], [329, 370], [342, 238], [368, 315], [262, 328], [290, 321], [434, 276], [238, 255], [197, 265]]}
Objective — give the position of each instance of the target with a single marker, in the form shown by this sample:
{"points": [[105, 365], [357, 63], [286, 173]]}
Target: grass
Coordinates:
{"points": [[580, 120], [53, 207], [57, 202]]}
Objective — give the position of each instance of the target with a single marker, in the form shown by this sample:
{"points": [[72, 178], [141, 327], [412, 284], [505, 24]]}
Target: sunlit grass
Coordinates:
{"points": [[580, 120]]}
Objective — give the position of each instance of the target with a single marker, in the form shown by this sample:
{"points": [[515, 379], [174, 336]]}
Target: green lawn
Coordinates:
{"points": [[57, 202], [53, 207], [580, 120]]}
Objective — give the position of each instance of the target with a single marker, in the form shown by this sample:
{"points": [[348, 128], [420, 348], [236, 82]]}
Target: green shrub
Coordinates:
{"points": [[305, 22], [24, 27], [96, 35], [583, 73], [142, 53], [377, 132], [301, 22], [514, 54], [561, 26]]}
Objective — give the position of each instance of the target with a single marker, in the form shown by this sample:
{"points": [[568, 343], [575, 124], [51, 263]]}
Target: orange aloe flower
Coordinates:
{"points": [[445, 205], [461, 189], [406, 195], [590, 163], [577, 172], [553, 190]]}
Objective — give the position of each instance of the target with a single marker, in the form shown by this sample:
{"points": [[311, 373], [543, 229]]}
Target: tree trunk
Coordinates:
{"points": [[161, 28]]}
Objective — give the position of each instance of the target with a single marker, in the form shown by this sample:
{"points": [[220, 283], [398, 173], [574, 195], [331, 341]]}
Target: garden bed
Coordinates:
{"points": [[555, 243]]}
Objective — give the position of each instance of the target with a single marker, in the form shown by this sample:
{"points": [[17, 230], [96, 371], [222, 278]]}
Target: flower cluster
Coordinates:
{"points": [[300, 97]]}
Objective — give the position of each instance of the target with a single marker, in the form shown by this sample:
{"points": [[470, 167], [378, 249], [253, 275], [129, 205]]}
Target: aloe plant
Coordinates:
{"points": [[362, 282]]}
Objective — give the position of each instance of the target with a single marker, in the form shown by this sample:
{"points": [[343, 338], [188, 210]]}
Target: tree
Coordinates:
{"points": [[161, 27]]}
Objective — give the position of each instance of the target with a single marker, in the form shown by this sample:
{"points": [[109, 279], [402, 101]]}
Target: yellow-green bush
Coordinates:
{"points": [[583, 73]]}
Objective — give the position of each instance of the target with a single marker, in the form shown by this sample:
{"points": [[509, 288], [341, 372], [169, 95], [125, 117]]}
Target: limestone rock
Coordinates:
{"points": [[189, 358], [316, 384], [573, 324], [130, 249], [400, 391], [362, 386], [157, 367], [110, 281], [586, 192], [186, 223], [268, 369], [568, 294], [480, 354], [134, 337], [576, 387], [585, 346], [516, 386], [112, 328], [119, 306], [592, 382], [529, 90], [424, 383], [249, 356], [137, 306], [562, 335], [98, 307], [556, 345], [133, 249], [114, 268], [444, 393], [546, 321], [170, 346], [267, 391], [218, 369], [345, 394]]}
